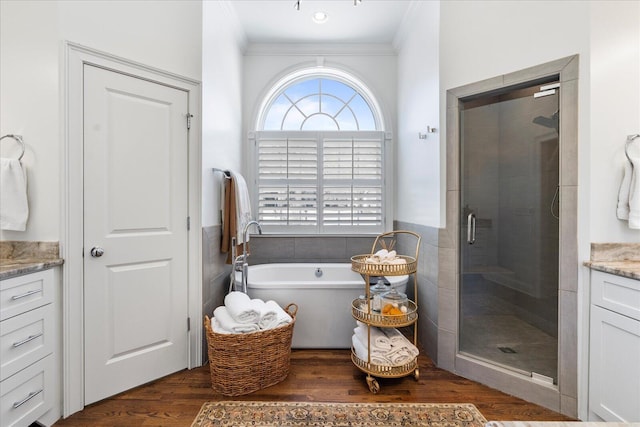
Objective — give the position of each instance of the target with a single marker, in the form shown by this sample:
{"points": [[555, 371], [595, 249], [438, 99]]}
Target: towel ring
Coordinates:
{"points": [[19, 140], [630, 139]]}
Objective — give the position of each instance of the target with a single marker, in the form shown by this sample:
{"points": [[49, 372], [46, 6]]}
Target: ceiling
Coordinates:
{"points": [[277, 21]]}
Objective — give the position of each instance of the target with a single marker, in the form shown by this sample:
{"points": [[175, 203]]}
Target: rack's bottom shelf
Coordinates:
{"points": [[383, 371]]}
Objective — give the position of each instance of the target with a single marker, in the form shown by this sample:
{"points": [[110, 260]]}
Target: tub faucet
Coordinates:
{"points": [[245, 255]]}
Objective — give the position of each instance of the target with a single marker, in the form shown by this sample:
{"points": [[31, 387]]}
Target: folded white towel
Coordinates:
{"points": [[243, 206], [395, 336], [378, 339], [240, 308], [634, 193], [14, 208], [225, 321], [361, 351], [622, 211], [400, 356]]}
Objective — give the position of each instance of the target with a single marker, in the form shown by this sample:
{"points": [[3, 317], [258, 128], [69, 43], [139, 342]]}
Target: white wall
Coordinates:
{"points": [[163, 34], [615, 111], [484, 39], [418, 171], [222, 62]]}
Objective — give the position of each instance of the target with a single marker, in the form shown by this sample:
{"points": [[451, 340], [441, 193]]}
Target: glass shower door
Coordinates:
{"points": [[509, 177]]}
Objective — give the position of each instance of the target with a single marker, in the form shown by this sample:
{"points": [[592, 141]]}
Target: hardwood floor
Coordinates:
{"points": [[316, 375]]}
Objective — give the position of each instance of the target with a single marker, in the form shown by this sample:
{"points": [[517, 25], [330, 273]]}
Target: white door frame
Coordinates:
{"points": [[75, 57]]}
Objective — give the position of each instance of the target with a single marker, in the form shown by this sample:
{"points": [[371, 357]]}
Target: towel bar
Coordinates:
{"points": [[227, 174], [19, 140]]}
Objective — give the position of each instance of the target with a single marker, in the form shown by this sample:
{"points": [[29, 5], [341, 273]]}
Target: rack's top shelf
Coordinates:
{"points": [[360, 265]]}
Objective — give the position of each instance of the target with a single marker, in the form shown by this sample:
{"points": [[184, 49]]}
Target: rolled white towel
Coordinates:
{"points": [[240, 308], [283, 317], [378, 339], [622, 210], [215, 326], [271, 314], [226, 321], [267, 315], [361, 351]]}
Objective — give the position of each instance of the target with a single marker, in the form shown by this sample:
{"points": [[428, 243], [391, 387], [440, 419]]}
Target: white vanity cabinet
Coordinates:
{"points": [[30, 349], [614, 348]]}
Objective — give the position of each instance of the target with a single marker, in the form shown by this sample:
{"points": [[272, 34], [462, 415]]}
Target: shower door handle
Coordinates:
{"points": [[471, 228]]}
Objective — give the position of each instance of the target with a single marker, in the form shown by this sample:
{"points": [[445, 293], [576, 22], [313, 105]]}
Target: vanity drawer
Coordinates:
{"points": [[616, 293], [25, 339], [27, 395], [24, 293]]}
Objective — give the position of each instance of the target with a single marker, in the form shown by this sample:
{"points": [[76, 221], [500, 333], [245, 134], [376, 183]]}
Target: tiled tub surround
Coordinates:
{"points": [[326, 249], [22, 257], [281, 248], [215, 275], [621, 259]]}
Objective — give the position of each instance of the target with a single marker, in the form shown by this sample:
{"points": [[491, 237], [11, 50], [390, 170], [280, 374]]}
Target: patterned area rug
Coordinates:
{"points": [[283, 414]]}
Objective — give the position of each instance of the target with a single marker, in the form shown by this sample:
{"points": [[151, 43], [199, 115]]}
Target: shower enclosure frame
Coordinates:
{"points": [[562, 397]]}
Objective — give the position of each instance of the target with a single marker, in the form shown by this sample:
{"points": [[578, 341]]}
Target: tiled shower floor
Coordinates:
{"points": [[490, 326]]}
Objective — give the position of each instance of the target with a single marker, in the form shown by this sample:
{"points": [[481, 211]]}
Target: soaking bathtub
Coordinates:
{"points": [[323, 293]]}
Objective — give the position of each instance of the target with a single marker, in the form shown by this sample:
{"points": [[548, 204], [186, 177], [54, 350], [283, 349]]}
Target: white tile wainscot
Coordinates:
{"points": [[614, 348], [30, 349]]}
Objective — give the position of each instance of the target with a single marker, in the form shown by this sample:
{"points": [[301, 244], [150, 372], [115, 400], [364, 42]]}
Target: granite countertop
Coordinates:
{"points": [[18, 258], [630, 269], [621, 259]]}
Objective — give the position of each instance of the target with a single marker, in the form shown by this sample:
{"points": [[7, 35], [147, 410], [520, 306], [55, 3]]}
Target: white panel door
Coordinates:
{"points": [[135, 211]]}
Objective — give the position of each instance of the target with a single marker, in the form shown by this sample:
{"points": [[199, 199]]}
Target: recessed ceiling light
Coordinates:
{"points": [[320, 17]]}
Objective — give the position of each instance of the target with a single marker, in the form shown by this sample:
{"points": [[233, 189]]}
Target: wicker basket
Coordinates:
{"points": [[243, 363]]}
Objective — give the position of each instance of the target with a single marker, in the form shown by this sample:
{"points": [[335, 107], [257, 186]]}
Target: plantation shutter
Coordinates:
{"points": [[320, 182], [352, 183]]}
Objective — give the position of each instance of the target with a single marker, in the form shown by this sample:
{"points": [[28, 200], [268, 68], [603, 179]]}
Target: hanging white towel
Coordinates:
{"points": [[243, 206], [634, 193], [14, 208], [622, 211]]}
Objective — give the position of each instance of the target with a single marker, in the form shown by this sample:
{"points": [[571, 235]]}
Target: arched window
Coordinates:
{"points": [[319, 156], [319, 103]]}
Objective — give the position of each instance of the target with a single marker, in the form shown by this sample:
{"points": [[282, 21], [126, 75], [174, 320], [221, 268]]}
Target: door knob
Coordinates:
{"points": [[97, 252]]}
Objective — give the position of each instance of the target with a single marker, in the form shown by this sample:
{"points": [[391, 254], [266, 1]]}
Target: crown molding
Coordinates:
{"points": [[310, 49]]}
